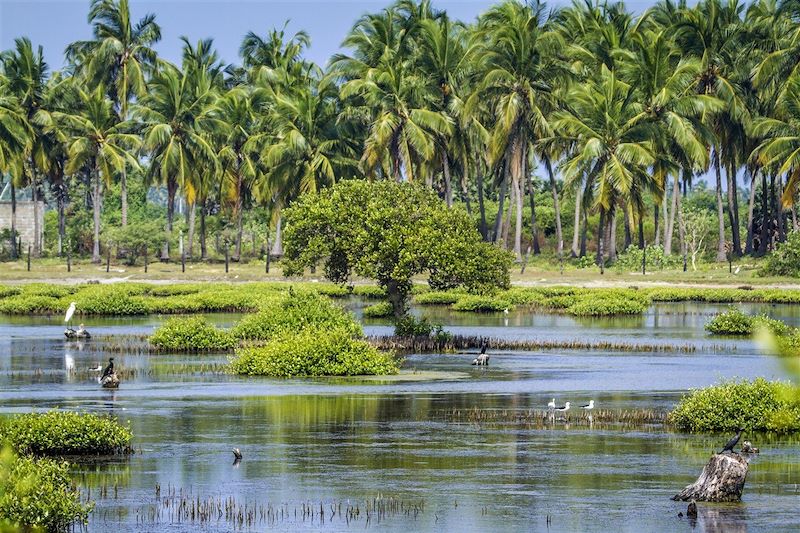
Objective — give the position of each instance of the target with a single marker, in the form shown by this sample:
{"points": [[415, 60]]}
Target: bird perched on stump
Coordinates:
{"points": [[731, 443]]}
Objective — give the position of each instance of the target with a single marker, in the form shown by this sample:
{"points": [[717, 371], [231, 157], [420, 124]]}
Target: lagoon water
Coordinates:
{"points": [[392, 449]]}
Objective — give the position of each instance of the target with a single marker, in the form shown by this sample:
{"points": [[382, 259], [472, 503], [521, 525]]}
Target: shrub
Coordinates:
{"points": [[410, 326], [47, 289], [6, 291], [112, 299], [294, 312], [379, 310], [610, 305], [371, 292], [191, 334], [527, 297], [23, 304], [481, 304], [631, 259], [437, 298], [785, 260], [38, 494], [731, 322], [753, 405], [65, 433], [176, 289], [314, 352]]}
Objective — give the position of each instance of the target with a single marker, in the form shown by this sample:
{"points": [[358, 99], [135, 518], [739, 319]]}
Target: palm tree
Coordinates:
{"points": [[176, 125], [521, 68], [14, 144], [613, 138], [118, 57], [98, 142]]}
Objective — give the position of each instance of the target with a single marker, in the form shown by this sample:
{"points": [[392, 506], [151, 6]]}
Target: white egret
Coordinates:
{"points": [[70, 312], [551, 404]]}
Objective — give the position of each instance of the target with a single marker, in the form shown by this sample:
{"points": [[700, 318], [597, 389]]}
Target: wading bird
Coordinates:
{"points": [[70, 312], [551, 404], [564, 408], [589, 406]]}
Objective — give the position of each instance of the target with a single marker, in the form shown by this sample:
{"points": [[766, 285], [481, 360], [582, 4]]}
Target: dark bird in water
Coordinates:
{"points": [[483, 358], [237, 454], [734, 440], [484, 346], [109, 369]]}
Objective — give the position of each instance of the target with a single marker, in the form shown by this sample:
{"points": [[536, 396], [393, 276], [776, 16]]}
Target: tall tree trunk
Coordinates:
{"points": [[665, 216], [656, 234], [721, 256], [14, 254], [641, 231], [764, 234], [203, 247], [62, 226], [35, 198], [627, 226], [612, 235], [520, 197], [498, 219], [781, 220], [277, 246], [794, 218], [748, 246], [172, 189], [482, 208], [584, 231], [673, 211], [517, 176], [190, 239], [576, 229], [556, 208], [600, 238], [733, 216], [448, 186], [123, 198], [96, 206], [532, 194], [681, 226], [512, 201]]}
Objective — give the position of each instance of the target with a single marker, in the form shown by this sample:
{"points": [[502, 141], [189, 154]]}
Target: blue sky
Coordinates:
{"points": [[55, 23]]}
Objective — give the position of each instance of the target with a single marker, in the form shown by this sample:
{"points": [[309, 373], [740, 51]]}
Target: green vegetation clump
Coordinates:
{"points": [[192, 334], [481, 304], [438, 297], [735, 322], [23, 304], [295, 311], [47, 289], [370, 292], [6, 291], [38, 495], [59, 433], [754, 405], [656, 259], [608, 305], [379, 310], [112, 299], [785, 260], [314, 351], [525, 296]]}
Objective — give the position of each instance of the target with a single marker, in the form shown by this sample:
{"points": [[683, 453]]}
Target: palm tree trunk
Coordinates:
{"points": [[203, 248], [627, 226], [584, 231], [779, 210], [600, 231], [681, 227], [96, 206], [190, 236], [448, 186], [576, 228], [512, 201], [35, 198], [794, 218], [748, 246], [673, 212], [518, 174], [532, 194], [123, 198], [720, 212], [172, 188], [656, 220], [612, 235], [762, 245], [664, 216], [733, 217], [641, 231], [13, 219], [277, 246], [498, 219], [556, 208], [482, 208]]}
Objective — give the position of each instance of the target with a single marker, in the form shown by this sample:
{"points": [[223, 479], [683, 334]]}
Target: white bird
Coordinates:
{"points": [[737, 270], [70, 312], [551, 404], [588, 406], [564, 408], [98, 368], [505, 311]]}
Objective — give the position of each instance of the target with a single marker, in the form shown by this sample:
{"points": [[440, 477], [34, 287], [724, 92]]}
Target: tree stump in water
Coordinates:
{"points": [[722, 480]]}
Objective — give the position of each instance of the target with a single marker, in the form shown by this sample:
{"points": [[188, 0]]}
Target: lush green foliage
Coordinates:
{"points": [[292, 313], [390, 232], [136, 239], [610, 304], [437, 297], [735, 322], [631, 259], [64, 433], [191, 334], [313, 352], [785, 260], [754, 405], [481, 304], [379, 310], [37, 494]]}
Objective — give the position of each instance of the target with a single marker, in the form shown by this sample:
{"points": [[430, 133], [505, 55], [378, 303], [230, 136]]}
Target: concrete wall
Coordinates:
{"points": [[24, 220]]}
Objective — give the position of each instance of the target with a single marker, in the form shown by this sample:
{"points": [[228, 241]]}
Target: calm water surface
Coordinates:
{"points": [[340, 442]]}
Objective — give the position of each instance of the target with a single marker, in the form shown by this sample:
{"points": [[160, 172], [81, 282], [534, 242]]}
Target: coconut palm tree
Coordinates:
{"points": [[97, 141], [176, 127], [14, 145], [119, 57]]}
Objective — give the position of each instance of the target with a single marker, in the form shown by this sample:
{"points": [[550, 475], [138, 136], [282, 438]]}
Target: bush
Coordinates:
{"points": [[438, 298], [752, 405], [136, 238], [294, 312], [735, 322], [314, 352], [523, 296], [410, 326], [631, 259], [481, 304], [111, 299], [47, 289], [370, 292], [605, 306], [38, 494], [23, 304], [380, 310], [64, 433], [785, 260], [6, 291], [191, 334]]}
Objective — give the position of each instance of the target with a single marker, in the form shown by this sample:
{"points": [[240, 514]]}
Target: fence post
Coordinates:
{"points": [[108, 258], [183, 261], [145, 259], [227, 254], [29, 258], [267, 265], [69, 260], [644, 259]]}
